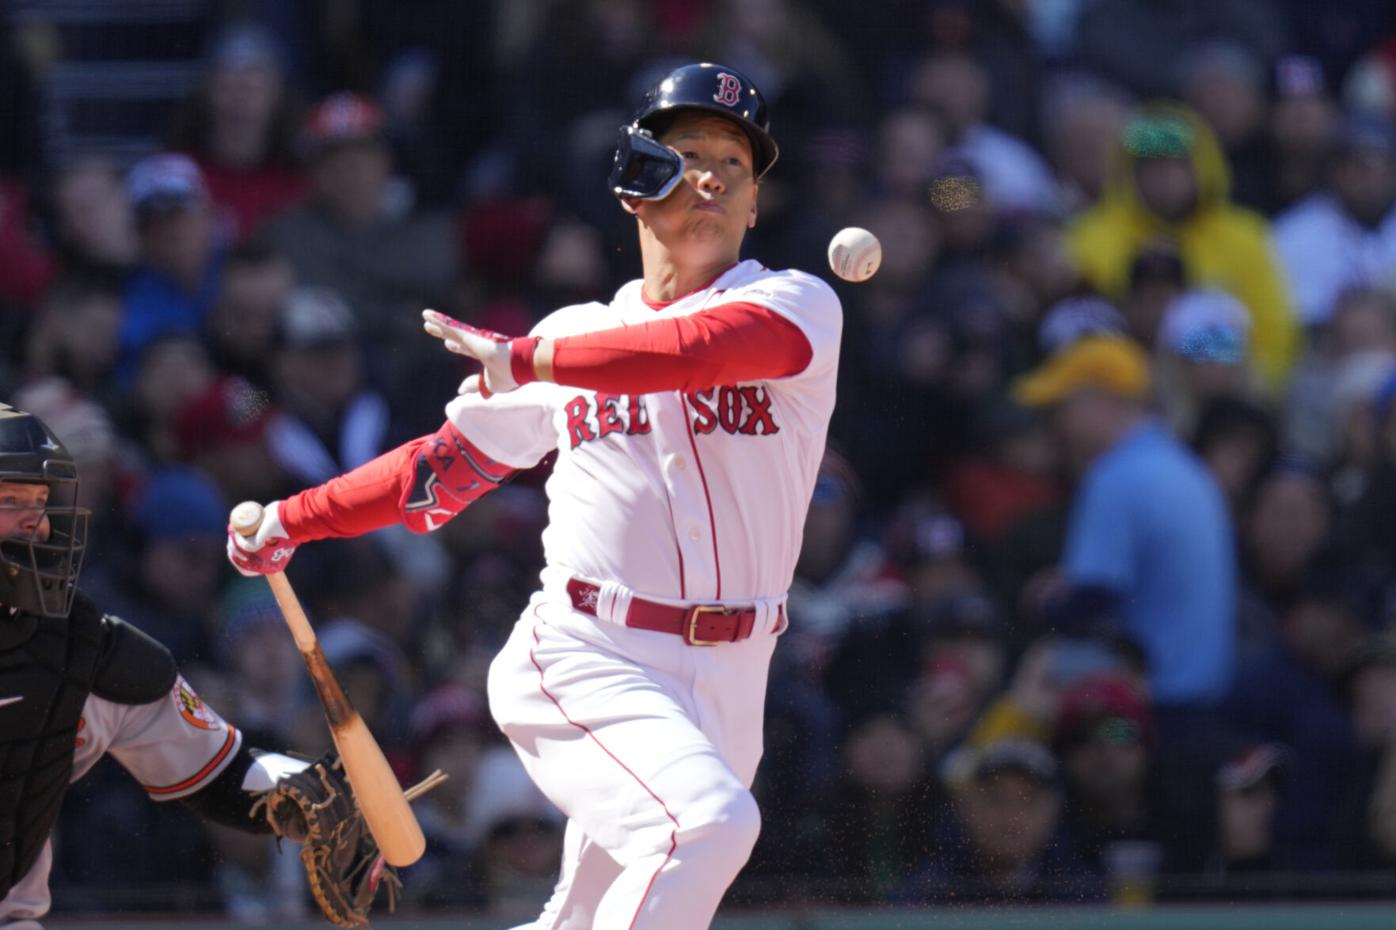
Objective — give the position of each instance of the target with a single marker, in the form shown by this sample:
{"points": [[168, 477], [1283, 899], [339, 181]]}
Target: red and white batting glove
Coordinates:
{"points": [[266, 551], [508, 362]]}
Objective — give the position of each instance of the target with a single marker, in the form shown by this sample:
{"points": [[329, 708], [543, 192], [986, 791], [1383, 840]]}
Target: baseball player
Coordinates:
{"points": [[76, 683], [689, 415]]}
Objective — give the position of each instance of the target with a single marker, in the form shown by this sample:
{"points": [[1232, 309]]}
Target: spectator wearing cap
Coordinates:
{"points": [[176, 280], [1149, 541], [165, 577], [1103, 737], [332, 421], [1202, 353], [223, 430], [1169, 181], [238, 124], [1248, 790], [356, 232], [1149, 528], [1344, 236], [1004, 840]]}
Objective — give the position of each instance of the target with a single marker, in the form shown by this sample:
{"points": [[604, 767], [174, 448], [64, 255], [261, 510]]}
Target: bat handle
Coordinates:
{"points": [[246, 518]]}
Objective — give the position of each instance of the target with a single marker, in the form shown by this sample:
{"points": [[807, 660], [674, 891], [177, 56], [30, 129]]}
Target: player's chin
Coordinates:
{"points": [[714, 230]]}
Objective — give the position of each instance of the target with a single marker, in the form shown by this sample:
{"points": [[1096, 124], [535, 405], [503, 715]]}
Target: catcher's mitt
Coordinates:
{"points": [[315, 807]]}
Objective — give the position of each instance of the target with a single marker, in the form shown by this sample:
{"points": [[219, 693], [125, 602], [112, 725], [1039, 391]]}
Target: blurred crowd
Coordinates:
{"points": [[1097, 597]]}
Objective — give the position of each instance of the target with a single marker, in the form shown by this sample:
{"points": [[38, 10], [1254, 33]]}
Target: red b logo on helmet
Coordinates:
{"points": [[729, 90]]}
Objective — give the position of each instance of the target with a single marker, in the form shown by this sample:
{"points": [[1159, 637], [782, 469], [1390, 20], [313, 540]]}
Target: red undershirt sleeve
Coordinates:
{"points": [[420, 484], [357, 502], [721, 345]]}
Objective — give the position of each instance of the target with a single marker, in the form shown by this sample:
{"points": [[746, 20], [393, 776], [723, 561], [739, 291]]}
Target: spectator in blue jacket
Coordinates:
{"points": [[1149, 540]]}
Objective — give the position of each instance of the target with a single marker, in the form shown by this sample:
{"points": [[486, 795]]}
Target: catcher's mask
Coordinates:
{"points": [[644, 169], [38, 574]]}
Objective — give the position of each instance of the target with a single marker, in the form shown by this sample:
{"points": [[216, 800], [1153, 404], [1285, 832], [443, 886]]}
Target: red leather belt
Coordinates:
{"points": [[699, 625]]}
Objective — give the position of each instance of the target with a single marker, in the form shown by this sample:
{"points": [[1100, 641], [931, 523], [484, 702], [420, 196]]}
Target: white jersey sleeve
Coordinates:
{"points": [[516, 428], [806, 301], [173, 746]]}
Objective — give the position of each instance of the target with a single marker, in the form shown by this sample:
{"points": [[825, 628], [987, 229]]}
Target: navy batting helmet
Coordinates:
{"points": [[640, 171], [40, 574]]}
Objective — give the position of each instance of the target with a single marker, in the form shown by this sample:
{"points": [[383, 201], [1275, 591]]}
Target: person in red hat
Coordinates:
{"points": [[1104, 736], [223, 432], [358, 230]]}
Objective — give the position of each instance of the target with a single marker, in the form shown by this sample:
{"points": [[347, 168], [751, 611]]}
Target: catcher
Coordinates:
{"points": [[76, 683]]}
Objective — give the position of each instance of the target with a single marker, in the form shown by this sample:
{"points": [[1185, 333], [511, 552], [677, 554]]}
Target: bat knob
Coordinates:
{"points": [[246, 517]]}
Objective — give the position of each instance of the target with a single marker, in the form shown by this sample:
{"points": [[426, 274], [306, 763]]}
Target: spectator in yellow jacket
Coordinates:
{"points": [[1169, 180]]}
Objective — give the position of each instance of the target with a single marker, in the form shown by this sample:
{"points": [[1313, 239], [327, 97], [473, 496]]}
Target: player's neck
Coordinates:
{"points": [[667, 281]]}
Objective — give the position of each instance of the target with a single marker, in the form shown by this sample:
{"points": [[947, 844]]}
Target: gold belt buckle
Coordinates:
{"points": [[690, 626]]}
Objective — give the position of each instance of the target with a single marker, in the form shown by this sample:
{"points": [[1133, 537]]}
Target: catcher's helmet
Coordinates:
{"points": [[40, 575], [714, 88]]}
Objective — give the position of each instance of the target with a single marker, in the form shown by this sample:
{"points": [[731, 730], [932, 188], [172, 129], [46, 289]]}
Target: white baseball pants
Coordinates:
{"points": [[649, 746]]}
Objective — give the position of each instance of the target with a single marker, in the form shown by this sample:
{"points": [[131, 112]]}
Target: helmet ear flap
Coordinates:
{"points": [[644, 169]]}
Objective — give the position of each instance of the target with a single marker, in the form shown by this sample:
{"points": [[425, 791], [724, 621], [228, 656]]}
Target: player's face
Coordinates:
{"points": [[22, 510], [716, 203]]}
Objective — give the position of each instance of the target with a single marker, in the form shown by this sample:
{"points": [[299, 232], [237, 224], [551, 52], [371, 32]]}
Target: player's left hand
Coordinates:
{"points": [[265, 552], [489, 348]]}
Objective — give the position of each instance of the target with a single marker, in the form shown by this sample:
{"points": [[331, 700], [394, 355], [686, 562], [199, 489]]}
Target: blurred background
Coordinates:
{"points": [[1125, 636]]}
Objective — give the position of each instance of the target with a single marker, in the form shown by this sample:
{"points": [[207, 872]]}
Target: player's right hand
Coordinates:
{"points": [[266, 551], [490, 349]]}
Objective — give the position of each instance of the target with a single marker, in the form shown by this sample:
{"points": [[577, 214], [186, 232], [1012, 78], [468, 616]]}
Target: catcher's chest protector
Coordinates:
{"points": [[45, 678]]}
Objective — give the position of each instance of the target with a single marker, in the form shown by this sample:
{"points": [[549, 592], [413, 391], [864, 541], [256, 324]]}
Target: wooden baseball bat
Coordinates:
{"points": [[385, 808]]}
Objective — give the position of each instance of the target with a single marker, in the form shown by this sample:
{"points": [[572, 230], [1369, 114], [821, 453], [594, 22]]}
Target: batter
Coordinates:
{"points": [[689, 415]]}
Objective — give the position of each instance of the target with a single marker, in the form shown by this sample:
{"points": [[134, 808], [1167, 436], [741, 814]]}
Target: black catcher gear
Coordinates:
{"points": [[40, 575]]}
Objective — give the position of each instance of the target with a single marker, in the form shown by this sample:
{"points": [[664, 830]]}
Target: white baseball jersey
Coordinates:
{"points": [[648, 744], [173, 747], [697, 497]]}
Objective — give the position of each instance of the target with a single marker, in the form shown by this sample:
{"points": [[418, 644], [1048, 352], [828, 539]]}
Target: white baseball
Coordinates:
{"points": [[854, 254]]}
